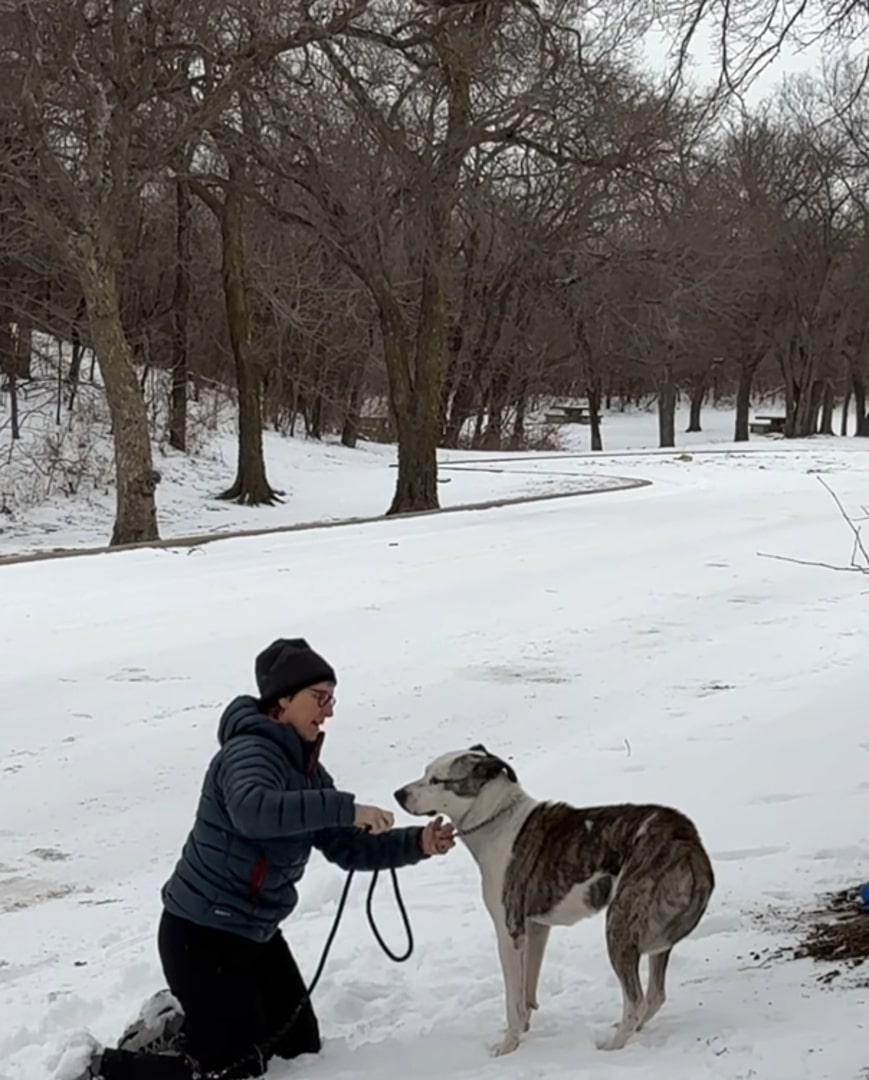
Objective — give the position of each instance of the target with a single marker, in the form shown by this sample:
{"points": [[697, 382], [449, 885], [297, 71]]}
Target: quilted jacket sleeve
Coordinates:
{"points": [[355, 849], [253, 782]]}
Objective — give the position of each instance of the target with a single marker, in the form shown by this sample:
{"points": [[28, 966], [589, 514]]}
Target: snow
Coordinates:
{"points": [[322, 481], [628, 646], [56, 482]]}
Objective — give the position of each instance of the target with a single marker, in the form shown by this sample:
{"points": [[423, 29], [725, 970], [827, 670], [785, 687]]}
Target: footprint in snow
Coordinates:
{"points": [[49, 854], [767, 800], [850, 854], [740, 854]]}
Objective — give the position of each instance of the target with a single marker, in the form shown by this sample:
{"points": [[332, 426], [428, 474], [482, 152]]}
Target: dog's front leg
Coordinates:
{"points": [[538, 935], [513, 954]]}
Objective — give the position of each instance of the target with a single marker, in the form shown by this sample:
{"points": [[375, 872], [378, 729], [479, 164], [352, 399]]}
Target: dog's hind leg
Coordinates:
{"points": [[537, 936], [674, 906], [656, 991], [624, 953], [628, 970]]}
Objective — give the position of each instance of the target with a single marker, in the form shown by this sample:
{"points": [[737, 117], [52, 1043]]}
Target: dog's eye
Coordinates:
{"points": [[437, 780]]}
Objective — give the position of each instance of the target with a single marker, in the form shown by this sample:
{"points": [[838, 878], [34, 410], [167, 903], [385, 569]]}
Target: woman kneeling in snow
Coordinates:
{"points": [[266, 801]]}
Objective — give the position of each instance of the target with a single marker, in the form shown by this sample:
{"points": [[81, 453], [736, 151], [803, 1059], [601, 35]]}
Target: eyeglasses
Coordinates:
{"points": [[324, 698]]}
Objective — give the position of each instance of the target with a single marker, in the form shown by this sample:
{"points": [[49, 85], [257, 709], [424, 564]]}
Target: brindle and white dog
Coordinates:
{"points": [[550, 864]]}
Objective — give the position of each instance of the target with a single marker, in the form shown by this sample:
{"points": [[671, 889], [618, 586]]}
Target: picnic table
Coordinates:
{"points": [[569, 414], [767, 425], [376, 428]]}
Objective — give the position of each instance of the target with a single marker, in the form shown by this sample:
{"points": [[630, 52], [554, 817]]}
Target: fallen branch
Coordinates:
{"points": [[859, 546], [859, 563]]}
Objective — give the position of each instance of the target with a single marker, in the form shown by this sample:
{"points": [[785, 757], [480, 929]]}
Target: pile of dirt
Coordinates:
{"points": [[836, 932], [839, 931]]}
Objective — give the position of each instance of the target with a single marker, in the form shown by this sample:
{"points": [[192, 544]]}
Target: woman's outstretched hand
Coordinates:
{"points": [[437, 838], [373, 819]]}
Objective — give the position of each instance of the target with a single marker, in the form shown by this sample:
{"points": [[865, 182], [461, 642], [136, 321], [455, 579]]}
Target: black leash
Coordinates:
{"points": [[396, 958], [261, 1053]]}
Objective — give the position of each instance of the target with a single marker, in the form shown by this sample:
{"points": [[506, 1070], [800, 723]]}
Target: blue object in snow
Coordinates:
{"points": [[864, 896]]}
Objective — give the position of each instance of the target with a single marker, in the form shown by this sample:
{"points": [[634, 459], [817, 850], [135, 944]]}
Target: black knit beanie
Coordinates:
{"points": [[287, 666]]}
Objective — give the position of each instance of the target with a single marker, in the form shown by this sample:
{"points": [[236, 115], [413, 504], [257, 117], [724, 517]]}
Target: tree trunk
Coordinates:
{"points": [[136, 478], [416, 484], [23, 349], [461, 407], [8, 368], [591, 371], [454, 374], [846, 405], [593, 394], [828, 404], [861, 428], [180, 319], [743, 399], [666, 407], [479, 422], [493, 437], [350, 427], [77, 352], [415, 405], [815, 403], [803, 400], [315, 415], [518, 437], [251, 486], [698, 394]]}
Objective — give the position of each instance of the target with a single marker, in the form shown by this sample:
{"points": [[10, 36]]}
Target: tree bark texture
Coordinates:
{"points": [[251, 486], [180, 318], [743, 399], [666, 407], [135, 477]]}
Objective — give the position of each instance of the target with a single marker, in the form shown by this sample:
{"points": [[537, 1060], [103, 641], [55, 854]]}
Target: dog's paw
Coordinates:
{"points": [[507, 1045], [612, 1040]]}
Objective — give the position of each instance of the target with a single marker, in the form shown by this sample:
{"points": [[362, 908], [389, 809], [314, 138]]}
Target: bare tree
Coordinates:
{"points": [[426, 90], [251, 485], [80, 83], [180, 316]]}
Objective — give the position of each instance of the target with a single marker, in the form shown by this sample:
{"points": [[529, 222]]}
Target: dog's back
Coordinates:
{"points": [[652, 853]]}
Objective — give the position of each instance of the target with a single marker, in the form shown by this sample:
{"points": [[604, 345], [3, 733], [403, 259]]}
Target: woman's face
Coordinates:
{"points": [[308, 710]]}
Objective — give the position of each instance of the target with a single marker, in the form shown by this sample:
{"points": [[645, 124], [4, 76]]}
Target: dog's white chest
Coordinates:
{"points": [[576, 905]]}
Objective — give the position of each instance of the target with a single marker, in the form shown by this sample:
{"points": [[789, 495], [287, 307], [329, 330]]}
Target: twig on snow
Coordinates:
{"points": [[859, 555], [859, 546], [812, 562]]}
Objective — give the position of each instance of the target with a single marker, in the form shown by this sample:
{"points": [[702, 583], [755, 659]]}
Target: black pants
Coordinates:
{"points": [[236, 996]]}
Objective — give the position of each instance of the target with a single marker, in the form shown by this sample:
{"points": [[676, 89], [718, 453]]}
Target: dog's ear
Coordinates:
{"points": [[492, 767], [479, 749]]}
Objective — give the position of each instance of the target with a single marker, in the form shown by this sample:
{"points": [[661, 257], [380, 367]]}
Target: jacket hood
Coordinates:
{"points": [[243, 716]]}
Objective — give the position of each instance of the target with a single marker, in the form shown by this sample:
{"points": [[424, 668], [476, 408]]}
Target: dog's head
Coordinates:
{"points": [[452, 782]]}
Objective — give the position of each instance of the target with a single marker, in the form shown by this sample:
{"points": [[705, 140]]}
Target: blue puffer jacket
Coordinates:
{"points": [[266, 801]]}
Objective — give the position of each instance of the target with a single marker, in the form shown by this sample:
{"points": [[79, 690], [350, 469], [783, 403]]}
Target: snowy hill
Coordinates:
{"points": [[56, 482], [631, 646]]}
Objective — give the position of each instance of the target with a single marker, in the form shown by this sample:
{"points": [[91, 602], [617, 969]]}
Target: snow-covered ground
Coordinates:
{"points": [[628, 646], [321, 481]]}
